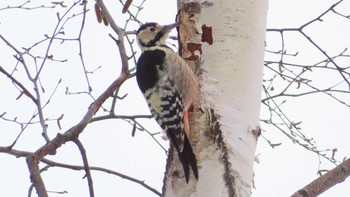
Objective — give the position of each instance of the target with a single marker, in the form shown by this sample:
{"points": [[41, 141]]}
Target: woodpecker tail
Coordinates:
{"points": [[188, 158]]}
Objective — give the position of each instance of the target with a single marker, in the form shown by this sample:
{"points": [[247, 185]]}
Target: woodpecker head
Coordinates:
{"points": [[153, 34]]}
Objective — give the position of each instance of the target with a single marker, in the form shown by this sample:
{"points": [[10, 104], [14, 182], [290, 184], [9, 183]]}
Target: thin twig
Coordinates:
{"points": [[14, 80], [300, 30], [86, 166], [81, 47]]}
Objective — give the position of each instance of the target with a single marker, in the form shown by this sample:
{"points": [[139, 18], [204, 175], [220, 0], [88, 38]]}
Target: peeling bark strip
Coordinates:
{"points": [[215, 134], [196, 50], [190, 31], [207, 35]]}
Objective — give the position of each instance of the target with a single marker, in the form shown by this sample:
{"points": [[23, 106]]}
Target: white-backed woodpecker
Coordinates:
{"points": [[169, 86]]}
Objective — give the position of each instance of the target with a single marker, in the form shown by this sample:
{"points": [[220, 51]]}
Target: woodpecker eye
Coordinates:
{"points": [[152, 29]]}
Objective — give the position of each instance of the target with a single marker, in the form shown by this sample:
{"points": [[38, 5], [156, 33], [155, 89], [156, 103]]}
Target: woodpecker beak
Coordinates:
{"points": [[168, 28]]}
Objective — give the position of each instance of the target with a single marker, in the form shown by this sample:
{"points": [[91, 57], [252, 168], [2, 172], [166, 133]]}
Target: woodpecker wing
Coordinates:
{"points": [[183, 77], [162, 96]]}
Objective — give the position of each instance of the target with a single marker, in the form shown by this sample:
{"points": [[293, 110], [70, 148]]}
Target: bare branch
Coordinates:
{"points": [[86, 166], [54, 33], [120, 33], [300, 30], [25, 7], [326, 181], [32, 162], [25, 91], [283, 124], [81, 47], [321, 15], [18, 153], [73, 133], [340, 70]]}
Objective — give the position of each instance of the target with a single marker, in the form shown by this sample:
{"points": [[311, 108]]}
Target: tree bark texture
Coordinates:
{"points": [[224, 42]]}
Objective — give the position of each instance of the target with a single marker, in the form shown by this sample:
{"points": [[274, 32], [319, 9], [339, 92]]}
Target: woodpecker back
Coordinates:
{"points": [[169, 86]]}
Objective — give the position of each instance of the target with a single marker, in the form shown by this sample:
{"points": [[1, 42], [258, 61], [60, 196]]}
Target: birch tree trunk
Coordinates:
{"points": [[224, 42]]}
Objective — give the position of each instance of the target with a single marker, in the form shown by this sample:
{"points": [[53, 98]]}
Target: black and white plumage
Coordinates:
{"points": [[169, 86]]}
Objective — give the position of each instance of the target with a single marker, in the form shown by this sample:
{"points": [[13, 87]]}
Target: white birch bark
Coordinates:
{"points": [[225, 122]]}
